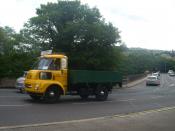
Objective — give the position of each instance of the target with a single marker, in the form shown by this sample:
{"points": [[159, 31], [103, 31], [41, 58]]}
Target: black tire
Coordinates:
{"points": [[84, 93], [120, 84], [22, 90], [101, 93], [52, 95], [35, 97]]}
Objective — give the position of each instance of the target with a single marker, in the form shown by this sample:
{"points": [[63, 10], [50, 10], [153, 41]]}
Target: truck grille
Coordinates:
{"points": [[28, 85]]}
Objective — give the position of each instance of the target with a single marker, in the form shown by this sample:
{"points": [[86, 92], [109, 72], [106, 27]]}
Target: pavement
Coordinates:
{"points": [[134, 83]]}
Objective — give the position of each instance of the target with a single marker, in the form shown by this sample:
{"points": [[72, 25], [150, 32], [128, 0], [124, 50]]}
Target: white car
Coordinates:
{"points": [[152, 80], [171, 73], [20, 83], [156, 74]]}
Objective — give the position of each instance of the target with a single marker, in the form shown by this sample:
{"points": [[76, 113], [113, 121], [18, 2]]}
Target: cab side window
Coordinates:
{"points": [[55, 64]]}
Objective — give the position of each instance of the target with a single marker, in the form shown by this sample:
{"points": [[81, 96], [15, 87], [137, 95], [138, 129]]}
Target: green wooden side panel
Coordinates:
{"points": [[86, 76]]}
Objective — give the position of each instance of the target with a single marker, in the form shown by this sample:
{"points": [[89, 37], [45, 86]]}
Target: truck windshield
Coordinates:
{"points": [[47, 64]]}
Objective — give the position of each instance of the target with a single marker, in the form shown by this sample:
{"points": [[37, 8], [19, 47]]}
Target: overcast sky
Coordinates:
{"points": [[143, 23]]}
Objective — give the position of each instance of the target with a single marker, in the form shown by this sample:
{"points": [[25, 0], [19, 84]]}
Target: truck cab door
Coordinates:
{"points": [[61, 73]]}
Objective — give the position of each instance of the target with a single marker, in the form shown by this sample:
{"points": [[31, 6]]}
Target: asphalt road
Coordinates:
{"points": [[19, 109]]}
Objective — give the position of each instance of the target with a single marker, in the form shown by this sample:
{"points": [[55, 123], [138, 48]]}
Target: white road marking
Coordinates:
{"points": [[171, 85], [13, 96], [156, 97], [82, 103], [127, 100], [14, 105]]}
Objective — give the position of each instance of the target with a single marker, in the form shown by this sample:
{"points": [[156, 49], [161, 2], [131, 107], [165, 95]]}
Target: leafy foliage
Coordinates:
{"points": [[78, 31], [137, 61], [13, 56]]}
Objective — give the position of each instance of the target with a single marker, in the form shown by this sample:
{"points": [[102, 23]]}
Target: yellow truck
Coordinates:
{"points": [[50, 78]]}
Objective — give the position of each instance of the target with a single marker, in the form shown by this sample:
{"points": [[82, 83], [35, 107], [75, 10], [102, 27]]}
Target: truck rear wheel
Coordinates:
{"points": [[101, 93], [120, 84], [52, 95], [84, 93]]}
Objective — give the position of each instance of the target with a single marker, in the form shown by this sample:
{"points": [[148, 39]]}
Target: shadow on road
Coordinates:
{"points": [[69, 100]]}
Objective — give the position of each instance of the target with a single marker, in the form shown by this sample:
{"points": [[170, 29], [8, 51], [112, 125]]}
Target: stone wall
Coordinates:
{"points": [[7, 83]]}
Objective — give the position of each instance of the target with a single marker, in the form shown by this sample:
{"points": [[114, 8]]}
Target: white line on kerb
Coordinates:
{"points": [[91, 119]]}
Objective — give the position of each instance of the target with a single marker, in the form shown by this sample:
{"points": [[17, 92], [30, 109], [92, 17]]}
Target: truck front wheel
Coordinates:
{"points": [[35, 97], [101, 93], [52, 95]]}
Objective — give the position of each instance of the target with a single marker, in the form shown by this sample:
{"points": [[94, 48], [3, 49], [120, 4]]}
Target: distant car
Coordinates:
{"points": [[170, 71], [156, 74], [20, 83], [172, 74], [152, 80]]}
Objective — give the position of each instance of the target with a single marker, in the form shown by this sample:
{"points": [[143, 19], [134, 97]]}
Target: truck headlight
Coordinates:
{"points": [[37, 86], [45, 75]]}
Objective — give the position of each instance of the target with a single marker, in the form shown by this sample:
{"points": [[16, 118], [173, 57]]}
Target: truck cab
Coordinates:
{"points": [[48, 77]]}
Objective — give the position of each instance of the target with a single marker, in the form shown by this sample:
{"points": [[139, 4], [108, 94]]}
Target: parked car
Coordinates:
{"points": [[20, 82], [152, 80]]}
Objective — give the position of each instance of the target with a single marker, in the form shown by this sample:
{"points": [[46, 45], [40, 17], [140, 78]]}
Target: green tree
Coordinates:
{"points": [[77, 30], [137, 61], [14, 54], [2, 40]]}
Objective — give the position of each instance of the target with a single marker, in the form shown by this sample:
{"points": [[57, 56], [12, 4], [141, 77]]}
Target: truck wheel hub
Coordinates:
{"points": [[102, 92], [51, 94]]}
